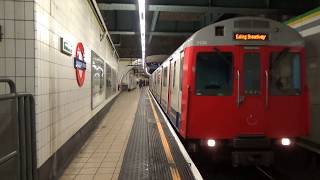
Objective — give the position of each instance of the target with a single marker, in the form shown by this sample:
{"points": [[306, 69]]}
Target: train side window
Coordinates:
{"points": [[158, 78], [214, 76], [285, 75], [251, 67], [181, 69], [165, 72]]}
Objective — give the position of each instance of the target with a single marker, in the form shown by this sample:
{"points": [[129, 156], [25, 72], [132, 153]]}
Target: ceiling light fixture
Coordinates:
{"points": [[142, 17]]}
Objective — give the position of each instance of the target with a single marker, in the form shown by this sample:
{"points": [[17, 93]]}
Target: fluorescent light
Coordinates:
{"points": [[142, 15]]}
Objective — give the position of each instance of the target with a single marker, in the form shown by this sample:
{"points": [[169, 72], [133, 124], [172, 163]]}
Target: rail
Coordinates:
{"points": [[17, 133]]}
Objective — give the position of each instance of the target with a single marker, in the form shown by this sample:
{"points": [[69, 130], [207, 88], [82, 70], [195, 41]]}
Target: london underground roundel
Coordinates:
{"points": [[80, 64]]}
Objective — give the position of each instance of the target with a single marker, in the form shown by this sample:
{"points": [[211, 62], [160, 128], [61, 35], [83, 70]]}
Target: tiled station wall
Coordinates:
{"points": [[313, 71], [309, 28], [128, 75], [17, 44], [30, 55], [62, 107]]}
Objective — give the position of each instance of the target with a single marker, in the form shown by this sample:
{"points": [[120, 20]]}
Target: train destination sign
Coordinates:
{"points": [[251, 36]]}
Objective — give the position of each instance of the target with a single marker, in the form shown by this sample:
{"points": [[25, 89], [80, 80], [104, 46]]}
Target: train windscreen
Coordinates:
{"points": [[285, 76], [214, 73], [252, 74]]}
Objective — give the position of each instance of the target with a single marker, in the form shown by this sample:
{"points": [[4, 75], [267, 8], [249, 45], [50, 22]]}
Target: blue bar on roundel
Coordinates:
{"points": [[79, 64]]}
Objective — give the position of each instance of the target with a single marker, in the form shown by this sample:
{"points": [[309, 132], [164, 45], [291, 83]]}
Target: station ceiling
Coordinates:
{"points": [[170, 22]]}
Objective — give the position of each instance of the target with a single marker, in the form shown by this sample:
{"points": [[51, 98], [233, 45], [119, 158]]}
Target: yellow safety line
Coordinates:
{"points": [[304, 19], [173, 168]]}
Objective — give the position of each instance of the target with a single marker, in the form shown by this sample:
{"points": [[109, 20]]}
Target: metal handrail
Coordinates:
{"points": [[238, 94], [23, 118], [267, 88], [11, 84]]}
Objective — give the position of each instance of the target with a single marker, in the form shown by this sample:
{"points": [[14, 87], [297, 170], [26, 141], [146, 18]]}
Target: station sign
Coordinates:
{"points": [[80, 64], [251, 36], [66, 47]]}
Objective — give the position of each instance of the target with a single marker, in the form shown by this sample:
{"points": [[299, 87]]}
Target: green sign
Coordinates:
{"points": [[66, 47]]}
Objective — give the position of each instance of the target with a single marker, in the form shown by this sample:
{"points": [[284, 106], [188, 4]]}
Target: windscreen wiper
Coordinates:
{"points": [[282, 53], [221, 56]]}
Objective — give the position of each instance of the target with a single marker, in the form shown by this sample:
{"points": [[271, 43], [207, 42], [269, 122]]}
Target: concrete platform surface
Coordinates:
{"points": [[101, 156]]}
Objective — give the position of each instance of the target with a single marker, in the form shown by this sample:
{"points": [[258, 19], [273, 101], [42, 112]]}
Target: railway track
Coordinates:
{"points": [[225, 171], [266, 173]]}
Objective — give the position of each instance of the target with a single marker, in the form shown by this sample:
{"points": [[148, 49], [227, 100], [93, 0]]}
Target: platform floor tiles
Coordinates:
{"points": [[101, 156]]}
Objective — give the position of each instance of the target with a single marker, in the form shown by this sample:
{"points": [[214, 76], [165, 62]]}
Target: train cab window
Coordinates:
{"points": [[285, 73], [251, 67], [214, 75], [219, 30]]}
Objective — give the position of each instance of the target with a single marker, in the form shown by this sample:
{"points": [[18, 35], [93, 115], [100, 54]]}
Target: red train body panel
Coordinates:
{"points": [[219, 117], [241, 92]]}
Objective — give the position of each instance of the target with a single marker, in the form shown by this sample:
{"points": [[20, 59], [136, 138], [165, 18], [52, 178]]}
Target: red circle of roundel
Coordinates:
{"points": [[80, 64]]}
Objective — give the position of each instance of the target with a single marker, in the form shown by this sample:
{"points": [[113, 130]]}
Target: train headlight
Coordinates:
{"points": [[285, 141], [211, 143]]}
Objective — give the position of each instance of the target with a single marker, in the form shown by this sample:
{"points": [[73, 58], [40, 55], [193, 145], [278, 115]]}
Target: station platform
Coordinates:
{"points": [[133, 141]]}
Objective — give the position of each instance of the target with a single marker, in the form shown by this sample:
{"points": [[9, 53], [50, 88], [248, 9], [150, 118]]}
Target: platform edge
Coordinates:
{"points": [[184, 152]]}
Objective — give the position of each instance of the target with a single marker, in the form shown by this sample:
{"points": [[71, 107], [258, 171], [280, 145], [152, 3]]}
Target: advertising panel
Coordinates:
{"points": [[97, 79]]}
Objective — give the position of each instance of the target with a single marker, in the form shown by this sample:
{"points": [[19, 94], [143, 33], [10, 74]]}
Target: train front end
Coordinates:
{"points": [[244, 89]]}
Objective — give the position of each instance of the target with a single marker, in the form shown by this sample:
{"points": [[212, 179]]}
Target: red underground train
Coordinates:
{"points": [[239, 84]]}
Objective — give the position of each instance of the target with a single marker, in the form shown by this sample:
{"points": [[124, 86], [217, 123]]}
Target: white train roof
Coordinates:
{"points": [[276, 34], [279, 34]]}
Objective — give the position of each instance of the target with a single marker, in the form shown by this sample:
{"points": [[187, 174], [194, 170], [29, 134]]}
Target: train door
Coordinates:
{"points": [[179, 84], [160, 84], [251, 91], [286, 100], [180, 80], [165, 85], [170, 86], [208, 102]]}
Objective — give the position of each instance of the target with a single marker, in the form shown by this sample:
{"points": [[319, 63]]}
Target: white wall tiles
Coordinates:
{"points": [[62, 107], [17, 24], [30, 56]]}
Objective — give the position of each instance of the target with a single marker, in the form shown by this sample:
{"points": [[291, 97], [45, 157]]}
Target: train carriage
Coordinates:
{"points": [[239, 83]]}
